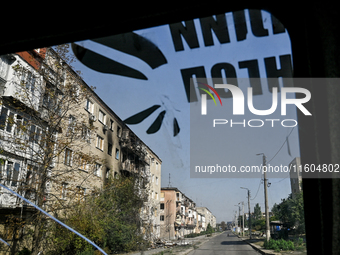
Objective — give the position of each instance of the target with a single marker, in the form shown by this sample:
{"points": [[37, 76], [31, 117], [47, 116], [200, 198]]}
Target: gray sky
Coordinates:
{"points": [[127, 96]]}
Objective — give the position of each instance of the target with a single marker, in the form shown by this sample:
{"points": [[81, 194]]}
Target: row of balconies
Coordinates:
{"points": [[185, 202], [132, 143]]}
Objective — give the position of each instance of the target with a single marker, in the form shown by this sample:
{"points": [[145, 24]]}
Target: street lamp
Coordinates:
{"points": [[249, 211], [265, 195]]}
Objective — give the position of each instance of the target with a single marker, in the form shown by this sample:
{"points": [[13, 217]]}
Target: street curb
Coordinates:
{"points": [[259, 248]]}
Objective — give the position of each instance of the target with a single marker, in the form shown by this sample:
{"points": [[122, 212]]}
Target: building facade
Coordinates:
{"points": [[209, 217], [178, 215], [295, 176], [60, 142]]}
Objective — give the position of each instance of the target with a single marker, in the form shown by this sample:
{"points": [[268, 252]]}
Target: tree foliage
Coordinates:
{"points": [[291, 212], [110, 218], [257, 212], [210, 229], [278, 245], [50, 131], [40, 129], [223, 225]]}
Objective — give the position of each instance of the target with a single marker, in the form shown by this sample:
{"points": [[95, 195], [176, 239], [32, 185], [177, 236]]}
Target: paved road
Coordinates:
{"points": [[224, 244]]}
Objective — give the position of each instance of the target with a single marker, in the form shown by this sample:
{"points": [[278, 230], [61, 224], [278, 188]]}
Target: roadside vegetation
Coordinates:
{"points": [[208, 232], [109, 217], [284, 245]]}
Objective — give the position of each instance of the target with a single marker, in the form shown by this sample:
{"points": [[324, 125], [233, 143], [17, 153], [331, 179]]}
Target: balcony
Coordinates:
{"points": [[191, 225], [54, 78], [127, 165], [131, 143], [186, 203], [192, 207]]}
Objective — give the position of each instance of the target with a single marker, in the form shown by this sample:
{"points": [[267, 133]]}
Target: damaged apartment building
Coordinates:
{"points": [[59, 141], [179, 215]]}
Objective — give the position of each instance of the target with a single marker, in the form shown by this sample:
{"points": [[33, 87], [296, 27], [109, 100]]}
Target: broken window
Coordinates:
{"points": [[117, 153]]}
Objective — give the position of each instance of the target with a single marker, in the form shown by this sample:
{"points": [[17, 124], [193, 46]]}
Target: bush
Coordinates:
{"points": [[278, 245], [86, 253], [275, 247], [291, 246], [299, 242], [115, 224], [210, 229], [191, 235]]}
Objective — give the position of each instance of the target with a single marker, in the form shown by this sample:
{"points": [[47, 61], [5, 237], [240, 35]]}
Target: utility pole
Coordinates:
{"points": [[242, 218], [235, 221], [249, 211], [249, 214], [238, 217], [266, 195]]}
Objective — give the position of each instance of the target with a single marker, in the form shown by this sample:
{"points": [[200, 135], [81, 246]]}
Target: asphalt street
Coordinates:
{"points": [[224, 244]]}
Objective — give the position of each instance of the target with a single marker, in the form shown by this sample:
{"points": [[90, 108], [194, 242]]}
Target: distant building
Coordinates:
{"points": [[295, 176], [264, 214], [209, 217], [178, 216], [201, 222]]}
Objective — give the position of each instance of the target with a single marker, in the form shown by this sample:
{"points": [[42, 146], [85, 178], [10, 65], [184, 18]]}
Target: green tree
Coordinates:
{"points": [[40, 130], [210, 229], [260, 224], [291, 212], [114, 223], [275, 210], [296, 214], [257, 212], [223, 225]]}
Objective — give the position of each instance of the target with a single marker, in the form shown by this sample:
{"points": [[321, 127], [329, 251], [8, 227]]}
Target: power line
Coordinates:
{"points": [[271, 160], [281, 146], [282, 179], [258, 189]]}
